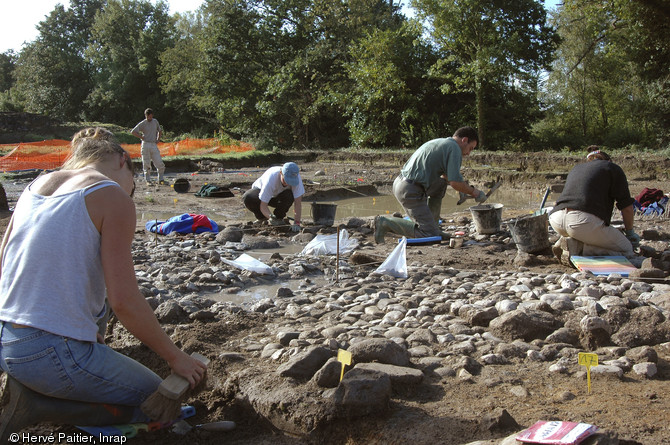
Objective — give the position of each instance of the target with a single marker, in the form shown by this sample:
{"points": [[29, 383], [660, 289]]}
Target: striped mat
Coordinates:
{"points": [[603, 265]]}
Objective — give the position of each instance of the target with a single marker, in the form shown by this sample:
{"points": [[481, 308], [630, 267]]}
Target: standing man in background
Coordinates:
{"points": [[149, 131]]}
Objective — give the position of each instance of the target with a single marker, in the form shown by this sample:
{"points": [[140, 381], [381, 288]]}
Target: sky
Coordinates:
{"points": [[19, 18]]}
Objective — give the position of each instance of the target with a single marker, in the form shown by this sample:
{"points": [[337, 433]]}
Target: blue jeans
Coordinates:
{"points": [[61, 367]]}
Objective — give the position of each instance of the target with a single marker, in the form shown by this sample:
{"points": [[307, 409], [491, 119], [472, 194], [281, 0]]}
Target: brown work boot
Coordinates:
{"points": [[557, 249], [565, 248], [27, 407]]}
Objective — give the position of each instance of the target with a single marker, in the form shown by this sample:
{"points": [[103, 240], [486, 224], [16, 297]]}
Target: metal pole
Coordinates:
{"points": [[337, 257]]}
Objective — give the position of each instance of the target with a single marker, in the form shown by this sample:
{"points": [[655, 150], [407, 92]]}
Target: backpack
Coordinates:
{"points": [[214, 191]]}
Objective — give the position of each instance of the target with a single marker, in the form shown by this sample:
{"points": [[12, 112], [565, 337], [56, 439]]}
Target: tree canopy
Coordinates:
{"points": [[301, 73]]}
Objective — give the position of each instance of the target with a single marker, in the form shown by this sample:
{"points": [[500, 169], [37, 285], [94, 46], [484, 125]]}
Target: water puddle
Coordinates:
{"points": [[253, 294], [362, 207]]}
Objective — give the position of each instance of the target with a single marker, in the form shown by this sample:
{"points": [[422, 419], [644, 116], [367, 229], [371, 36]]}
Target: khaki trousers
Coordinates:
{"points": [[598, 238]]}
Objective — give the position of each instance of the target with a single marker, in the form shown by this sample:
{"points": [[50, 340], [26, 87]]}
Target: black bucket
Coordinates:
{"points": [[487, 217], [181, 185], [323, 214], [531, 233]]}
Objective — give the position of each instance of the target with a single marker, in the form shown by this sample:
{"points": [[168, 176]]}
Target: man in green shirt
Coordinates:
{"points": [[423, 182]]}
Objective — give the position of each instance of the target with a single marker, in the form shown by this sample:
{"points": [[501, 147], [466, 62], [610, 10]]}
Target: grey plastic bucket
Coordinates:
{"points": [[487, 217], [531, 233], [323, 214]]}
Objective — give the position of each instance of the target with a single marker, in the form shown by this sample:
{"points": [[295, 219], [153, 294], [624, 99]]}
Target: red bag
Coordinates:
{"points": [[649, 196]]}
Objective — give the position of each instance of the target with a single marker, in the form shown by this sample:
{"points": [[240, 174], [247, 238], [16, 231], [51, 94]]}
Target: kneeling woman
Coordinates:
{"points": [[65, 256]]}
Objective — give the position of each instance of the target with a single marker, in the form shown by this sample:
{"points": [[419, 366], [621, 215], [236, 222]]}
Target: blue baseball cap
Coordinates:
{"points": [[291, 172]]}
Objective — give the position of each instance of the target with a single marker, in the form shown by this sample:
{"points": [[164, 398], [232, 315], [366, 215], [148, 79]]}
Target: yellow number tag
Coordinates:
{"points": [[343, 357], [588, 359]]}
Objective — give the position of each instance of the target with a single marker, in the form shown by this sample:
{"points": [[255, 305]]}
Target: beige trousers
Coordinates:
{"points": [[598, 238]]}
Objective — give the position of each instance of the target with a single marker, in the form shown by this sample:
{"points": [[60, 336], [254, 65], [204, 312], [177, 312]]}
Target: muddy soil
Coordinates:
{"points": [[441, 410]]}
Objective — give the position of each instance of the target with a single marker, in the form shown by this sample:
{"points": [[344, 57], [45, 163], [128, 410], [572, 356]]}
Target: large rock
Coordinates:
{"points": [[477, 315], [380, 350], [286, 406], [399, 375], [526, 324], [230, 233], [305, 364], [646, 326], [362, 392], [595, 332]]}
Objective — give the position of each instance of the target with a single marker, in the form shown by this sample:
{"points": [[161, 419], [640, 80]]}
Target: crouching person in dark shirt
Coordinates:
{"points": [[583, 212]]}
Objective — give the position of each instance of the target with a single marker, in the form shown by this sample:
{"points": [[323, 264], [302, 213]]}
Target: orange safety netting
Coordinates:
{"points": [[50, 154]]}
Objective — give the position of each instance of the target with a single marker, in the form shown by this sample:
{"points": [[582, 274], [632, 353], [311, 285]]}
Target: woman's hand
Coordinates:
{"points": [[189, 368]]}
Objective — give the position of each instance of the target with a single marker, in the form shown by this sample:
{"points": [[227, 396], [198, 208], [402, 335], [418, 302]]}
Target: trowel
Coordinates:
{"points": [[182, 427], [464, 196]]}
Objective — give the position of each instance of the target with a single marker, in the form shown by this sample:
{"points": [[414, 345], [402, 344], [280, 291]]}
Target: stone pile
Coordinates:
{"points": [[439, 321]]}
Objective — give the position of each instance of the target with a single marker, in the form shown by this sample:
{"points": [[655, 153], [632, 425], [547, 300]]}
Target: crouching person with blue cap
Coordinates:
{"points": [[279, 187]]}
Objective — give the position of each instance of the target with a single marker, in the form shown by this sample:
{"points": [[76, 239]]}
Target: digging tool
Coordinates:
{"points": [[132, 429], [464, 197], [182, 427], [164, 405], [544, 201]]}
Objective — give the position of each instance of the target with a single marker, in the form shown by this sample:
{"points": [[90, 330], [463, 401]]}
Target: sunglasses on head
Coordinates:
{"points": [[129, 163]]}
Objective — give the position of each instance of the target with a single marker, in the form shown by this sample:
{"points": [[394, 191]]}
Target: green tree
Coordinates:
{"points": [[599, 90], [180, 76], [52, 75], [305, 92], [487, 46], [235, 51], [385, 102], [127, 39], [7, 64]]}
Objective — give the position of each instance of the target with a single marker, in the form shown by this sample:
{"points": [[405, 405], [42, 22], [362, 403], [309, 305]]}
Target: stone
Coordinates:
{"points": [[170, 312], [595, 332], [328, 376], [362, 392], [498, 420], [642, 354], [647, 369], [399, 375], [305, 364], [525, 324], [646, 326], [286, 337], [230, 234], [380, 350]]}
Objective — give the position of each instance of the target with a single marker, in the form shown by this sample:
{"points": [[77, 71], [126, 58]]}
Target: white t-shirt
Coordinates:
{"points": [[149, 130], [270, 185]]}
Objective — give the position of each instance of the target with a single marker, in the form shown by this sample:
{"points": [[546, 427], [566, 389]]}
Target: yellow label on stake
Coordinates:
{"points": [[588, 360], [343, 357]]}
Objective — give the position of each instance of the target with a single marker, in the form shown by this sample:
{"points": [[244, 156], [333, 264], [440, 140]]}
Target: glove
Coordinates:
{"points": [[481, 197], [633, 237], [295, 228], [276, 221]]}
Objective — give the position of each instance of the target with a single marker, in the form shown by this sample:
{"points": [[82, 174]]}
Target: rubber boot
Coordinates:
{"points": [[399, 226], [435, 205], [27, 407]]}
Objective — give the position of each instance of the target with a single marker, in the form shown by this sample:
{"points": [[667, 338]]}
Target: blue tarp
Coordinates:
{"points": [[184, 223]]}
